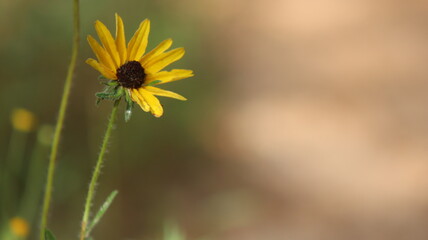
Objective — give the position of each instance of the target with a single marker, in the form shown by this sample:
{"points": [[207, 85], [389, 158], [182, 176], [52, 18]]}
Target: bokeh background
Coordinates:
{"points": [[306, 120]]}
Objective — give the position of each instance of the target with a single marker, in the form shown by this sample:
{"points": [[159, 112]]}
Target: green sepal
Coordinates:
{"points": [[111, 83], [103, 95], [110, 93], [49, 235], [128, 114], [119, 93], [128, 96], [128, 111], [129, 105], [101, 77], [154, 82]]}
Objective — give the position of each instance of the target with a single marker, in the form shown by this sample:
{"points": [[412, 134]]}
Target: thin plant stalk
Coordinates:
{"points": [[97, 171], [60, 121]]}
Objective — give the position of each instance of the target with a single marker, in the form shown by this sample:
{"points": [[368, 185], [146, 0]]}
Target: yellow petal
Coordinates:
{"points": [[136, 97], [162, 47], [138, 43], [120, 40], [164, 93], [155, 106], [101, 68], [101, 53], [163, 60], [173, 75], [108, 42]]}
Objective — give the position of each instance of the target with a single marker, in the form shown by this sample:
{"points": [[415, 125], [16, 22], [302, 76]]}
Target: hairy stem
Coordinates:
{"points": [[97, 170]]}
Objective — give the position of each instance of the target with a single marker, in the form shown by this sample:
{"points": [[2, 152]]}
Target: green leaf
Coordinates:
{"points": [[101, 211], [49, 235]]}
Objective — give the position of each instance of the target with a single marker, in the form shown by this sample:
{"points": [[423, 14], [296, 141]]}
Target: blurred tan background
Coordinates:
{"points": [[306, 120]]}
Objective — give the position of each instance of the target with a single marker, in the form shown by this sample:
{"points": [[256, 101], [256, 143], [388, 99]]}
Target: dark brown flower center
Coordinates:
{"points": [[131, 75]]}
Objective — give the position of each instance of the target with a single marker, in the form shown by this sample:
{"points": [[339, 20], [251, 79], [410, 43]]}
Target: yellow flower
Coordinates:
{"points": [[23, 120], [19, 226], [133, 70]]}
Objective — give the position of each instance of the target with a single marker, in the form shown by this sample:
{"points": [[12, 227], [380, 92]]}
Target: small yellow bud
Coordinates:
{"points": [[19, 226], [23, 120]]}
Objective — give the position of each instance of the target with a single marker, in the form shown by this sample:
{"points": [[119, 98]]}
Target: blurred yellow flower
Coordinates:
{"points": [[19, 226], [23, 120], [135, 72]]}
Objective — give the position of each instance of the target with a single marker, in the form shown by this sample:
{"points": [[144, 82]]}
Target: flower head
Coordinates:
{"points": [[132, 72]]}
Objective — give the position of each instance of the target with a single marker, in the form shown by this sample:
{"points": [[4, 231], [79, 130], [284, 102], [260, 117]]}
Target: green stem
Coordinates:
{"points": [[61, 115], [97, 170]]}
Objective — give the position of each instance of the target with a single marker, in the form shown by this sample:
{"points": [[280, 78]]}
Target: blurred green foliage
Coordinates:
{"points": [[148, 157]]}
